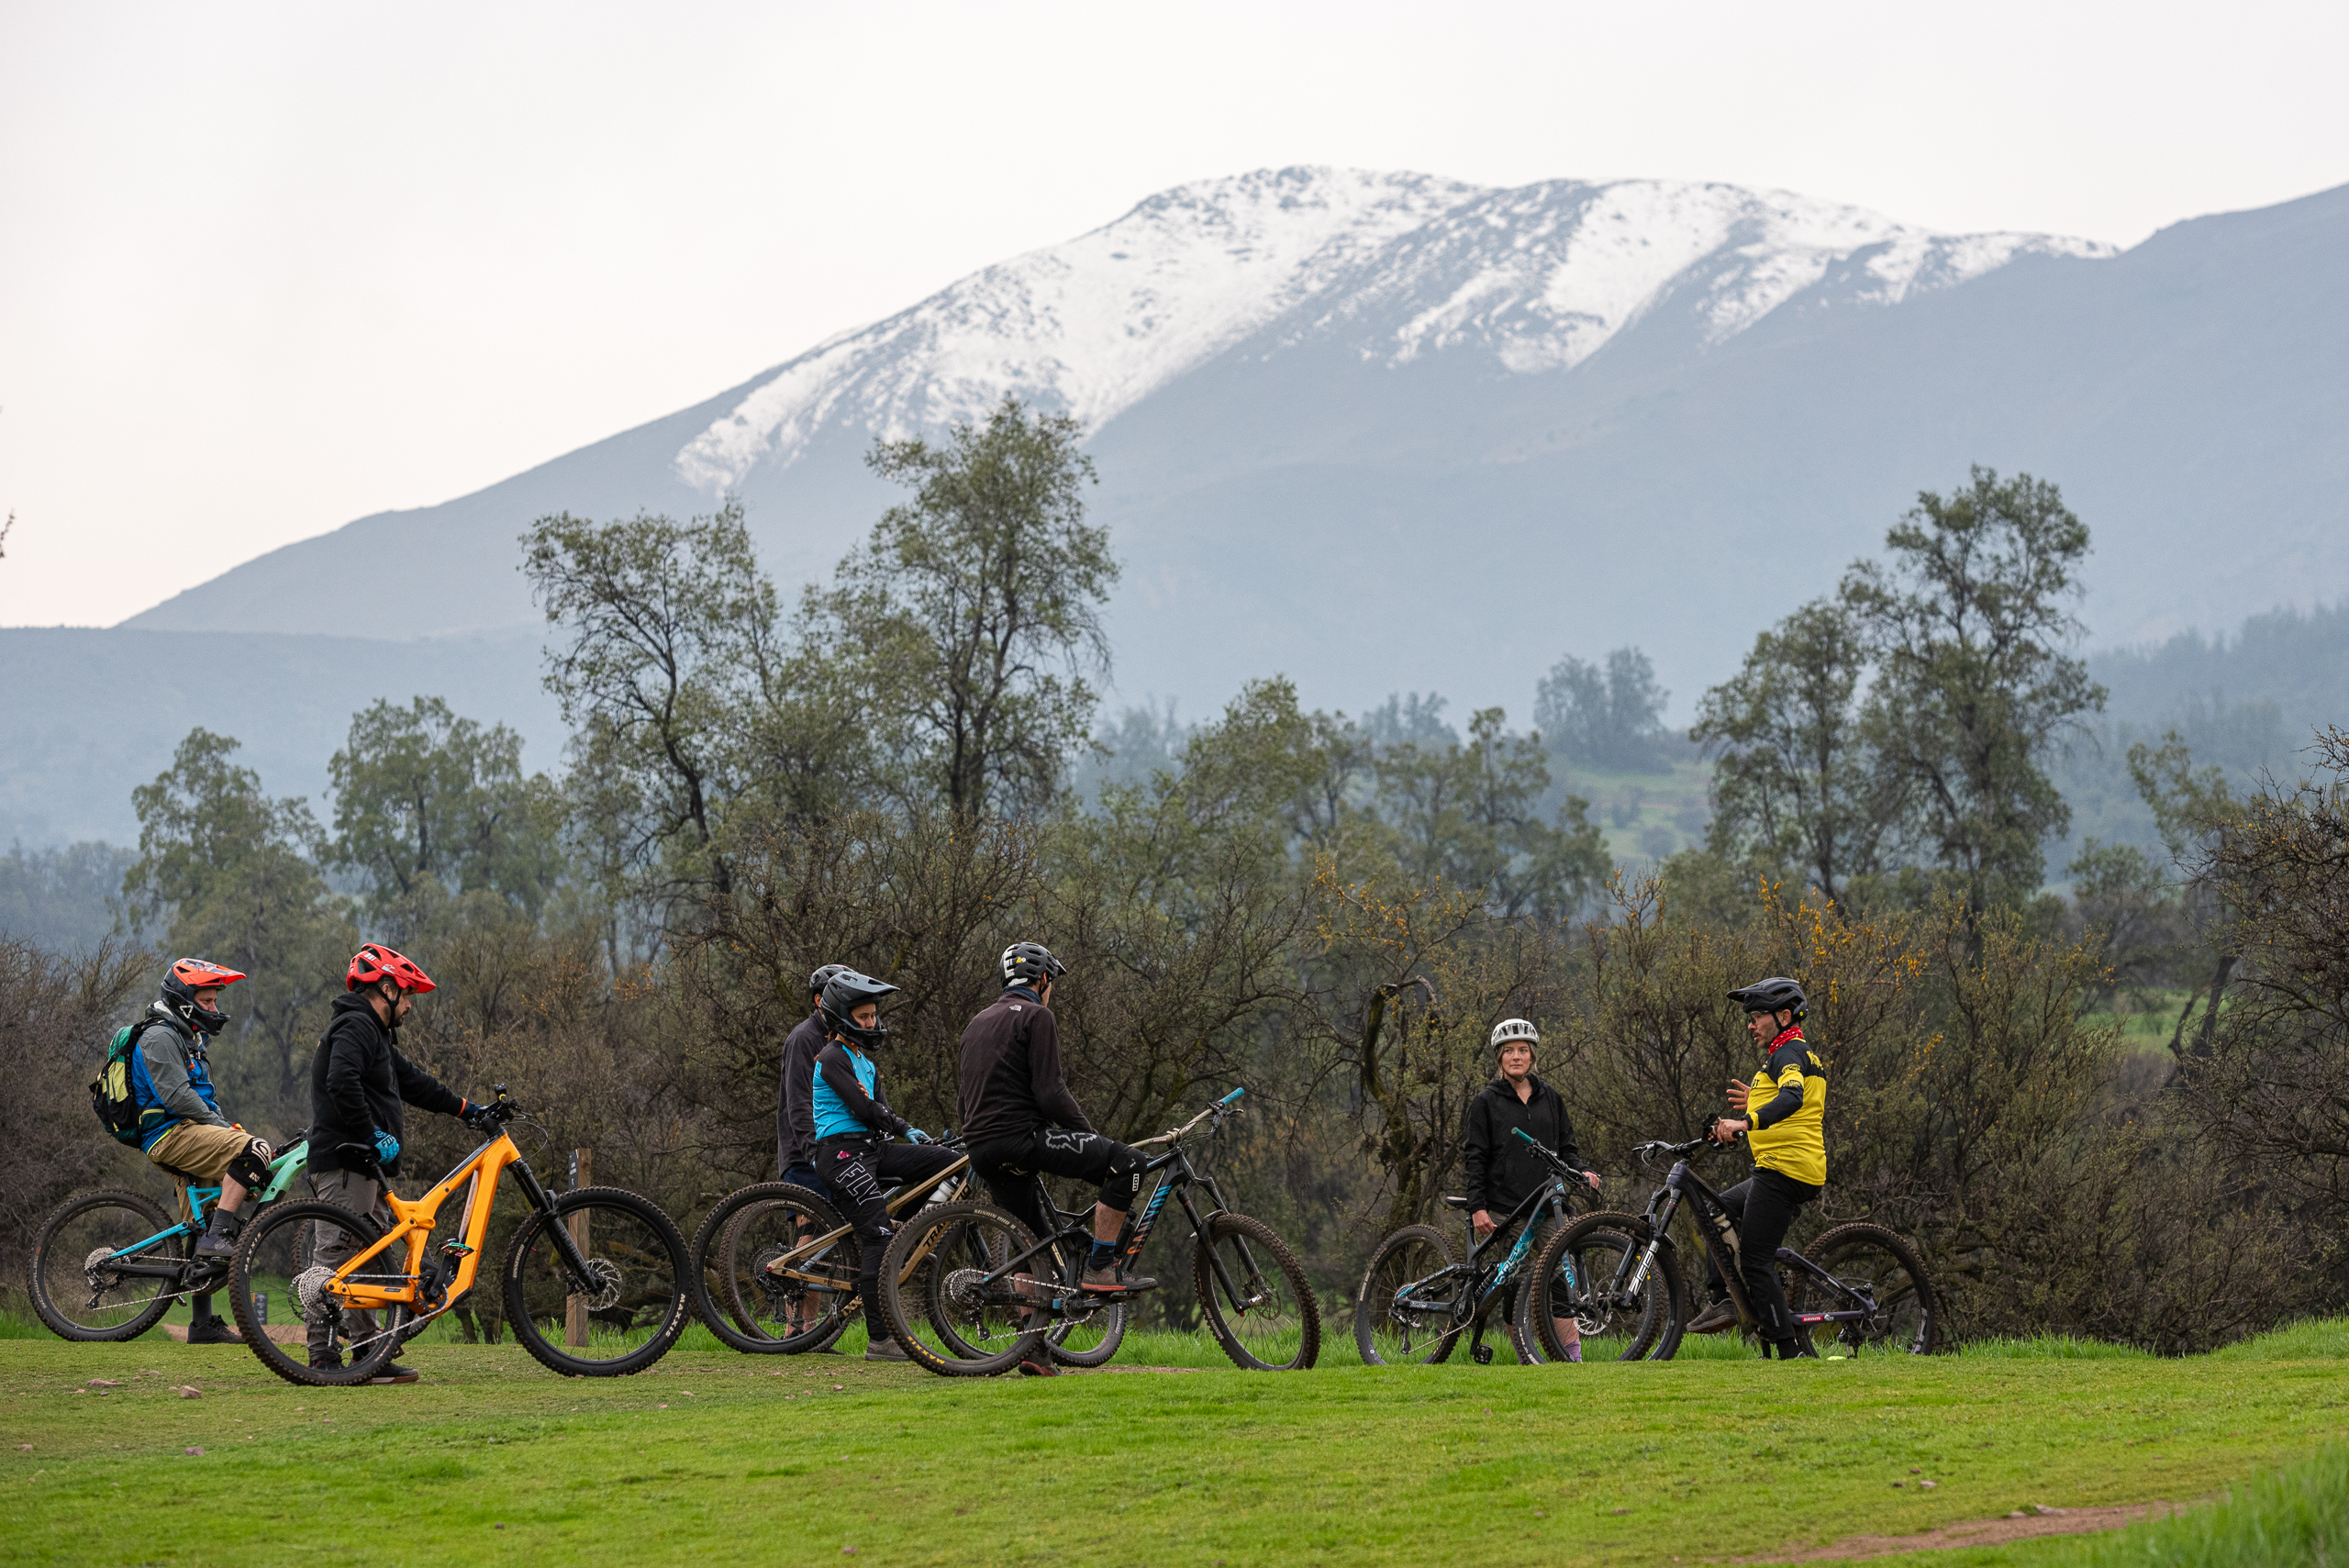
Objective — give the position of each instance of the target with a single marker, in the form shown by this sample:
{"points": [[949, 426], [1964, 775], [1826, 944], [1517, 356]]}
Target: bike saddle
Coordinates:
{"points": [[1455, 1203]]}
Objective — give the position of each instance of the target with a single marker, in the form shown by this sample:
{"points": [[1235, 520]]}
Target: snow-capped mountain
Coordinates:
{"points": [[1382, 431], [1398, 266]]}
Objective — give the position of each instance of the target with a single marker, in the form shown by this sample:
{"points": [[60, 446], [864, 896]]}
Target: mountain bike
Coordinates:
{"points": [[594, 1278], [108, 1264], [775, 1269], [1418, 1297], [970, 1291], [1864, 1279]]}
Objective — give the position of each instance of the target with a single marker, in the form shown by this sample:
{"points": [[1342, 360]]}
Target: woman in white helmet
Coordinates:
{"points": [[1502, 1172]]}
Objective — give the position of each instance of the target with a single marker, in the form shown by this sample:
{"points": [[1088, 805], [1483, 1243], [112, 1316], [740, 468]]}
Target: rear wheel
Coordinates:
{"points": [[1881, 1265], [633, 1305], [771, 1275], [1411, 1309], [102, 1269], [951, 1299], [1575, 1276], [1090, 1340], [1254, 1295], [279, 1250]]}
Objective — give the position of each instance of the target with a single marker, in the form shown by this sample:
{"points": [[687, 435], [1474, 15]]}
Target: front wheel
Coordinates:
{"points": [[1881, 1265], [1583, 1274], [632, 1305], [105, 1266], [1254, 1295], [774, 1271]]}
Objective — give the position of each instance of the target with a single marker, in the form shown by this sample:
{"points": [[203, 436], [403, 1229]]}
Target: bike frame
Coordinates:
{"points": [[1707, 1213], [283, 1170], [1483, 1288], [895, 1202], [414, 1223]]}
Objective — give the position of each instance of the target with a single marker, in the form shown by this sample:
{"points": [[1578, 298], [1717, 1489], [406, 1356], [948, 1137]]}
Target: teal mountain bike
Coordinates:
{"points": [[109, 1263]]}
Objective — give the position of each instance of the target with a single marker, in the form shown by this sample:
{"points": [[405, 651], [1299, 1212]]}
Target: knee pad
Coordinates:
{"points": [[1123, 1183], [249, 1169]]}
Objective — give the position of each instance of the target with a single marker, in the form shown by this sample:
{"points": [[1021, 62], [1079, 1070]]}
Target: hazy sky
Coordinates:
{"points": [[270, 268]]}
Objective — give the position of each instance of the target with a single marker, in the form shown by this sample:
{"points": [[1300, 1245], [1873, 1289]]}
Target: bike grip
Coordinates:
{"points": [[1522, 1133], [1231, 1097]]}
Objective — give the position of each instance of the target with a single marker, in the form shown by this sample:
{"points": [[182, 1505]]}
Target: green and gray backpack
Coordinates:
{"points": [[112, 1093]]}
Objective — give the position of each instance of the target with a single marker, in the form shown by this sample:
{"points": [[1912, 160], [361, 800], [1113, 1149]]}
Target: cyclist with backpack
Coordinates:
{"points": [[163, 1100], [1784, 1123], [1502, 1172], [852, 1125], [359, 1084], [1019, 1119]]}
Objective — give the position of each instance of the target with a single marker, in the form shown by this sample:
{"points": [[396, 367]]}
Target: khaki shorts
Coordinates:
{"points": [[199, 1150]]}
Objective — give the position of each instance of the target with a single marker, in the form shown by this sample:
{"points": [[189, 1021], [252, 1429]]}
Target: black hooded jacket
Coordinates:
{"points": [[358, 1082], [1502, 1172]]}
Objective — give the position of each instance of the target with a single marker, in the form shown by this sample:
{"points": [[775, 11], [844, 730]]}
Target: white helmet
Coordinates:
{"points": [[1509, 1030]]}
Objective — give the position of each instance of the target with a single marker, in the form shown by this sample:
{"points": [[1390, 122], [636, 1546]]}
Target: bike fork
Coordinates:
{"points": [[565, 1247]]}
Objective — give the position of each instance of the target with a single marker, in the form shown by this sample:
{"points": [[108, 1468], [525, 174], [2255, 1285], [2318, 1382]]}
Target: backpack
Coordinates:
{"points": [[111, 1095]]}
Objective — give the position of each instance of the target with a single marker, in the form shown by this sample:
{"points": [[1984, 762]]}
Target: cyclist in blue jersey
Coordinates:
{"points": [[853, 1129]]}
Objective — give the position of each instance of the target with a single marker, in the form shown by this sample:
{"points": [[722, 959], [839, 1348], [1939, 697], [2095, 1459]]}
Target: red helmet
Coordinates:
{"points": [[198, 972], [375, 962]]}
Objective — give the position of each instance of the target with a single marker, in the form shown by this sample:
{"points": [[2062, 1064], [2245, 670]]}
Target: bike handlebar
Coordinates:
{"points": [[1219, 1110], [1679, 1151]]}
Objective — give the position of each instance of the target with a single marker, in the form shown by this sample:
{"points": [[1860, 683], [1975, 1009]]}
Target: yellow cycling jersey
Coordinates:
{"points": [[1785, 1115]]}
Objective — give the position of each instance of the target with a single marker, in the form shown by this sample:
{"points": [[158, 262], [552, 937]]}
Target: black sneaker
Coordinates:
{"points": [[326, 1360], [1114, 1282], [886, 1350], [213, 1330], [213, 1247], [396, 1372], [1716, 1316]]}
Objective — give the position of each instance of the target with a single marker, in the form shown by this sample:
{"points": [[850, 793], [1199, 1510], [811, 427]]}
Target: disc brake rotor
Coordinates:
{"points": [[605, 1275]]}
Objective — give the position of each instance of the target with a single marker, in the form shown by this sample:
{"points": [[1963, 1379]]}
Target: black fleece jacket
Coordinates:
{"points": [[1502, 1172], [358, 1082], [1012, 1082]]}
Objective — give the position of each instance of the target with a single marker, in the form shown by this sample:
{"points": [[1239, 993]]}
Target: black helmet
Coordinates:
{"points": [[844, 992], [816, 980], [1024, 961], [1770, 995]]}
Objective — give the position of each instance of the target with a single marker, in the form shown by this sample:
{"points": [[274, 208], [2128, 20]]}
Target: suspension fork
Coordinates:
{"points": [[1659, 1230], [1242, 1300], [565, 1248]]}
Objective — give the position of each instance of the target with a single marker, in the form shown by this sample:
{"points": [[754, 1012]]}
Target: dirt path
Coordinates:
{"points": [[2022, 1525]]}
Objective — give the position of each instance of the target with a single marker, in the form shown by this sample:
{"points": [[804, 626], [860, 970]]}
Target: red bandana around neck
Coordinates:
{"points": [[1792, 1032]]}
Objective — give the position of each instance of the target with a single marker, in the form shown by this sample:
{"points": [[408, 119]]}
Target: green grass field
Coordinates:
{"points": [[712, 1458]]}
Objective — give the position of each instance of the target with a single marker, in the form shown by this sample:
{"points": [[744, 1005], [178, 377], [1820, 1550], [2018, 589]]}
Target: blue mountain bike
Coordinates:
{"points": [[109, 1263]]}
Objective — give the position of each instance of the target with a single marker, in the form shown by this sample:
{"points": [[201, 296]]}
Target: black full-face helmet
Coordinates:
{"points": [[1030, 964], [844, 992], [1776, 994]]}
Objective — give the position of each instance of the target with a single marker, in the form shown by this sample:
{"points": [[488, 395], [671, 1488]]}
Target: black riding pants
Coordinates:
{"points": [[858, 1170], [1009, 1167], [1764, 1206]]}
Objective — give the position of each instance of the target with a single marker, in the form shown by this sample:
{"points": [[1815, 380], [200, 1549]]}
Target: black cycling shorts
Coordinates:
{"points": [[1009, 1166]]}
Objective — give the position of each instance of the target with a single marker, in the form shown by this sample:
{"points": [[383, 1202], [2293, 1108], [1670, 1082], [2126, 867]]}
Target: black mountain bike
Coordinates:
{"points": [[969, 1292], [1861, 1279], [1417, 1298]]}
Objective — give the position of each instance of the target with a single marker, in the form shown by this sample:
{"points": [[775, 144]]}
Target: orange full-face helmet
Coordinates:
{"points": [[188, 976], [375, 962]]}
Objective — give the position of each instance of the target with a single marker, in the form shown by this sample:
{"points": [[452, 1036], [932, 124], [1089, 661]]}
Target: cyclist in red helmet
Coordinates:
{"points": [[181, 1125], [360, 1084]]}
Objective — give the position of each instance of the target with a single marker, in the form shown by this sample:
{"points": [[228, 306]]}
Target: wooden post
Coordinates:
{"points": [[574, 1310]]}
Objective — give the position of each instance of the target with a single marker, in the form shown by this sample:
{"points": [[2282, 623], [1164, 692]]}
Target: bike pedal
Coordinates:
{"points": [[1484, 1355]]}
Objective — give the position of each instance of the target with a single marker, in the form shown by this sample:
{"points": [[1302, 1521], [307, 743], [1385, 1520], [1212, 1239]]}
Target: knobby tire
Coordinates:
{"points": [[651, 1272], [79, 1224], [1271, 1298]]}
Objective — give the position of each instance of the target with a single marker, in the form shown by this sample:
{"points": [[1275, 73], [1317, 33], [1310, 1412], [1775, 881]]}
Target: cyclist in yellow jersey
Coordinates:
{"points": [[1784, 1123]]}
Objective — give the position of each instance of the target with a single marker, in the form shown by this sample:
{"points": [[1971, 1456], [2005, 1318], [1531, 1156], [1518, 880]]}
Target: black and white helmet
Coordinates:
{"points": [[1024, 964], [844, 992], [817, 981], [1509, 1030], [1775, 994]]}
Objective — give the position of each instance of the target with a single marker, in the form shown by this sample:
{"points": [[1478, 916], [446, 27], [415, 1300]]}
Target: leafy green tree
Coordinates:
{"points": [[977, 605], [672, 640], [1465, 815], [232, 874], [1968, 622], [1796, 784], [422, 794], [1610, 717]]}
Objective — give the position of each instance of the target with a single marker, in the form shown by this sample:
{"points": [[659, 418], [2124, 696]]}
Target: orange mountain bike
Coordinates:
{"points": [[594, 1278]]}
